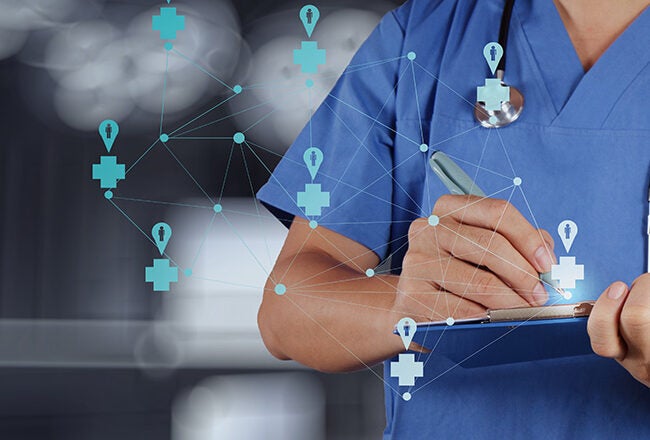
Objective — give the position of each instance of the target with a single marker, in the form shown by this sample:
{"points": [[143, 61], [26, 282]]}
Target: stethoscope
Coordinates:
{"points": [[511, 109]]}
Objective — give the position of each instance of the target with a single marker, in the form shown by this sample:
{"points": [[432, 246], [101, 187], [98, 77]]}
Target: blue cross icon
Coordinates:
{"points": [[309, 56], [406, 369], [493, 93], [108, 172], [161, 274], [168, 23], [313, 199]]}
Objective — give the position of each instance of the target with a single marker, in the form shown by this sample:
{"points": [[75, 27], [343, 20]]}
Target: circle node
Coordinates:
{"points": [[217, 208], [517, 181], [424, 148], [239, 137], [370, 273], [567, 294], [169, 46], [164, 137], [434, 220], [309, 83], [188, 272], [280, 289], [313, 224], [237, 89], [493, 120], [108, 194], [406, 396], [411, 56], [450, 321]]}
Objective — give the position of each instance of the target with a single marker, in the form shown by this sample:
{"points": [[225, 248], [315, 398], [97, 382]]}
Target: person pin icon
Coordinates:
{"points": [[309, 15], [313, 158], [493, 52], [567, 230], [108, 131], [161, 233], [406, 328]]}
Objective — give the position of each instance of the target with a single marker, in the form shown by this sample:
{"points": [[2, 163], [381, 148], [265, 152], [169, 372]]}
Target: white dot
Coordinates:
{"points": [[450, 321], [313, 224], [517, 181], [370, 273], [434, 220], [424, 148], [406, 396], [567, 294]]}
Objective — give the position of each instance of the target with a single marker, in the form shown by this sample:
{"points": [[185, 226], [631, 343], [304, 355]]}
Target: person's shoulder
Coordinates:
{"points": [[416, 13]]}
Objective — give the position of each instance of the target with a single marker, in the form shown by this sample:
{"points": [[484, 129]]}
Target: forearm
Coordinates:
{"points": [[332, 317]]}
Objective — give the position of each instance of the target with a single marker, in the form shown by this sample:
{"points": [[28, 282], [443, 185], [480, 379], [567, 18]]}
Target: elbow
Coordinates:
{"points": [[269, 331]]}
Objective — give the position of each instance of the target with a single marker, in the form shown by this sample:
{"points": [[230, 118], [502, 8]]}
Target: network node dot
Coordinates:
{"points": [[239, 137], [406, 396], [313, 224], [424, 148], [188, 272], [169, 46], [493, 120], [108, 194], [237, 89], [517, 181], [434, 220], [370, 273], [280, 289], [411, 56], [217, 208], [309, 83], [164, 137], [450, 321], [567, 294]]}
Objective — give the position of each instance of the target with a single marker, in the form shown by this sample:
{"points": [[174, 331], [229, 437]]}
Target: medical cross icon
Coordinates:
{"points": [[309, 56], [406, 369], [161, 274], [108, 172], [567, 272], [168, 23], [493, 93], [313, 199]]}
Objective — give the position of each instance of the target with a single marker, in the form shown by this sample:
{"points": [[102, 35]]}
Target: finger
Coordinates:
{"points": [[498, 215], [603, 324], [482, 247], [635, 316]]}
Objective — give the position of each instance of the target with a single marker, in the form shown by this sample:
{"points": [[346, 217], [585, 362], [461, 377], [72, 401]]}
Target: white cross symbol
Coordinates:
{"points": [[567, 272], [406, 369]]}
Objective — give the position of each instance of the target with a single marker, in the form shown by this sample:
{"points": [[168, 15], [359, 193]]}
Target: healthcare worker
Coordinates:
{"points": [[580, 150]]}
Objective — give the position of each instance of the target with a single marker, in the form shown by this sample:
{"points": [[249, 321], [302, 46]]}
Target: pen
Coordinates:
{"points": [[458, 182]]}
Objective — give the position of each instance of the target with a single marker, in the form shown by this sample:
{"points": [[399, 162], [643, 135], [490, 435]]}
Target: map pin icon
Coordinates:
{"points": [[406, 328], [108, 130], [309, 16], [161, 233], [313, 158], [567, 231], [493, 53]]}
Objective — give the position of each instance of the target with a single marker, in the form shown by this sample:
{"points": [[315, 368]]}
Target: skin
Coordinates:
{"points": [[481, 254]]}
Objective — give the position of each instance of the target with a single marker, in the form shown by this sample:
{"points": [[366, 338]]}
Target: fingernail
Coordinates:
{"points": [[615, 291], [539, 294], [543, 259]]}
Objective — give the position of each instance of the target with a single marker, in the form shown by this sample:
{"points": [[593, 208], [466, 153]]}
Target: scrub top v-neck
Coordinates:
{"points": [[580, 149]]}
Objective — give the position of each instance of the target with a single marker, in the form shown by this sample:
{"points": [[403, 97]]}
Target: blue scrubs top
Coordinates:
{"points": [[581, 149]]}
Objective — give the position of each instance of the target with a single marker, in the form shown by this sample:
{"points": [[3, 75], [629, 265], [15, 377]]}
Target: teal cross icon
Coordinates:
{"points": [[161, 274], [313, 199], [492, 94], [168, 23], [309, 56], [406, 369], [108, 171]]}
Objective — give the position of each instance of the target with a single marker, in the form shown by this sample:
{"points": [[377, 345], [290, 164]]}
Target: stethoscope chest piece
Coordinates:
{"points": [[506, 115]]}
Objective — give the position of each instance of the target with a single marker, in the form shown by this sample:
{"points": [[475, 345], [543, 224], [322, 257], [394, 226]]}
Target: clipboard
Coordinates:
{"points": [[510, 335]]}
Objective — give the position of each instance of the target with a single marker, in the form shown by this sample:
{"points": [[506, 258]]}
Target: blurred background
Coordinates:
{"points": [[87, 349]]}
